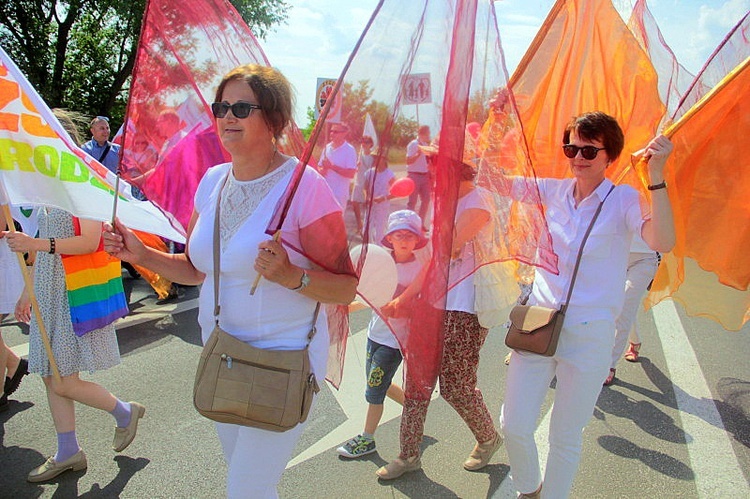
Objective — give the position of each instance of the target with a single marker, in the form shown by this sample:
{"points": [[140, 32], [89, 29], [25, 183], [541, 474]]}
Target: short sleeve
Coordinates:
{"points": [[412, 148], [313, 200], [207, 185], [632, 210]]}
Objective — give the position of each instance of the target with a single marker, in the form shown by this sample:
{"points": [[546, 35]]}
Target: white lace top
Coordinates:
{"points": [[240, 199]]}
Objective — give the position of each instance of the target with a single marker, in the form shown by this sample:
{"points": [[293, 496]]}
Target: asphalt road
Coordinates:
{"points": [[676, 424]]}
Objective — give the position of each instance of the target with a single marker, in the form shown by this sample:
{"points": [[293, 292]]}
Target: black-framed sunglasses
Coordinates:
{"points": [[587, 152], [240, 110]]}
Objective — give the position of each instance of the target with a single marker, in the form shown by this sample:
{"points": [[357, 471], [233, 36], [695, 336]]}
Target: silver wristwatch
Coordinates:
{"points": [[303, 282]]}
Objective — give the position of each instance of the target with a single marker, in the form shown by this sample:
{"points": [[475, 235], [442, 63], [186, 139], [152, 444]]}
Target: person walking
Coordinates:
{"points": [[642, 266], [403, 236], [591, 142], [253, 106], [463, 338]]}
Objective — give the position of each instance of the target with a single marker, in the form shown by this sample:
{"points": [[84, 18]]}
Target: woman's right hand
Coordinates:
{"points": [[122, 243], [23, 308]]}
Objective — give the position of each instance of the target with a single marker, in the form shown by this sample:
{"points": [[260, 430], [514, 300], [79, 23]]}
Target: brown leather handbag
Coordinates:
{"points": [[537, 329], [240, 384]]}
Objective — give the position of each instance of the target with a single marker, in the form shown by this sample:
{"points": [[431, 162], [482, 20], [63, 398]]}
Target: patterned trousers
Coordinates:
{"points": [[463, 339]]}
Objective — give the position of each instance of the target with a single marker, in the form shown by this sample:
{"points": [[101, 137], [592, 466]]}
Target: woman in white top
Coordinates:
{"points": [[590, 142], [463, 338], [253, 106]]}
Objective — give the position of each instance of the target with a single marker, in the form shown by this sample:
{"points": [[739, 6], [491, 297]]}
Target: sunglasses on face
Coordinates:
{"points": [[240, 110], [587, 152]]}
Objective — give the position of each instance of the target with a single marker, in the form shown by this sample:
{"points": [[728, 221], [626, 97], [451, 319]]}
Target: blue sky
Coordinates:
{"points": [[320, 34]]}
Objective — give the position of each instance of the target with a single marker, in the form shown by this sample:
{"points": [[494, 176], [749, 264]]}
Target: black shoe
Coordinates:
{"points": [[11, 384], [4, 403]]}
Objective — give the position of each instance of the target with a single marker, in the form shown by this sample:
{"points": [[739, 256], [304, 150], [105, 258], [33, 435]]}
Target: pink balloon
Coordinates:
{"points": [[402, 187]]}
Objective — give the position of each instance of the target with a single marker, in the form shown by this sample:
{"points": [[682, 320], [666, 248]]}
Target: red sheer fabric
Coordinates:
{"points": [[456, 44]]}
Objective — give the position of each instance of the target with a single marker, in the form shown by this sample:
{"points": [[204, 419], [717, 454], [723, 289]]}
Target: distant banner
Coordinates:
{"points": [[41, 165], [323, 91]]}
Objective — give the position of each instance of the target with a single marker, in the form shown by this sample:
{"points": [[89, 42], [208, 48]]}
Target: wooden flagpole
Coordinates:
{"points": [[34, 303]]}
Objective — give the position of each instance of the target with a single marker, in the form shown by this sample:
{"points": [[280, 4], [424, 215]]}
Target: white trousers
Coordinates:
{"points": [[256, 459], [641, 270], [581, 363]]}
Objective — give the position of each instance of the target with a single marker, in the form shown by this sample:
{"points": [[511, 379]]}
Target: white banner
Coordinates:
{"points": [[40, 164]]}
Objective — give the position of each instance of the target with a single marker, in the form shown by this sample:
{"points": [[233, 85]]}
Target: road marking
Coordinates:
{"points": [[712, 458], [351, 399]]}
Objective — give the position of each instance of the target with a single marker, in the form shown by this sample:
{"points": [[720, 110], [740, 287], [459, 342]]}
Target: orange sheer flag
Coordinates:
{"points": [[584, 58], [709, 269]]}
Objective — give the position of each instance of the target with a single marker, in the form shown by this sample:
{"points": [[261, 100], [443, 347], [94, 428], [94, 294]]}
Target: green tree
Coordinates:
{"points": [[79, 54], [358, 103]]}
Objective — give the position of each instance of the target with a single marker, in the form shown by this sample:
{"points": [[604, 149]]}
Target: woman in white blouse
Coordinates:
{"points": [[590, 142], [253, 106]]}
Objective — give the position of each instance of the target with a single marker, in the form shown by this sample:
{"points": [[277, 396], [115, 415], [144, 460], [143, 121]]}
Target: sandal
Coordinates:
{"points": [[611, 378], [632, 354]]}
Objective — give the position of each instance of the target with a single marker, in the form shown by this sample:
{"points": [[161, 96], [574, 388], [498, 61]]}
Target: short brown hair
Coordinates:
{"points": [[271, 88], [599, 126]]}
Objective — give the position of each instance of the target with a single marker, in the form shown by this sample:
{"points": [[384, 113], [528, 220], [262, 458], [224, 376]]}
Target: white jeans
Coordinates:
{"points": [[256, 459], [581, 363], [641, 270]]}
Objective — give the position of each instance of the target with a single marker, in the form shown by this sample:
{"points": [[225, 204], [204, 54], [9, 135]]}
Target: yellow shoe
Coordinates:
{"points": [[50, 469], [398, 467], [482, 453]]}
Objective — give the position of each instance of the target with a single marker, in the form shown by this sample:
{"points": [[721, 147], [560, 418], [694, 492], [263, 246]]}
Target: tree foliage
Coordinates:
{"points": [[358, 103], [79, 54]]}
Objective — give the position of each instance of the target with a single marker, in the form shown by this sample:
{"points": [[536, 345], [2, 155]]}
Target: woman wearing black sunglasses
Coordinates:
{"points": [[581, 363], [253, 107]]}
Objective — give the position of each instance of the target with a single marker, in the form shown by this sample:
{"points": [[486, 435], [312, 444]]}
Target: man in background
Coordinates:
{"points": [[100, 147], [338, 163]]}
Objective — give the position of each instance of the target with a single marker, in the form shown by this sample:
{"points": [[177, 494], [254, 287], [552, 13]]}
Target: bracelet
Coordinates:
{"points": [[656, 187], [51, 246]]}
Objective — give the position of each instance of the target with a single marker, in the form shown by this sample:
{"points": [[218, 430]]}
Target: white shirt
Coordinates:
{"points": [[344, 156], [420, 164], [599, 290], [378, 330], [275, 317], [381, 181], [461, 294]]}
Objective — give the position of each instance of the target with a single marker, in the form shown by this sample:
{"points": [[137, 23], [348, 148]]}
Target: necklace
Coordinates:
{"points": [[268, 167]]}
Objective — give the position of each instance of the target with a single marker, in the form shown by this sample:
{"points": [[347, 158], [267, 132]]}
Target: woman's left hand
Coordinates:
{"points": [[273, 264], [656, 153], [20, 242]]}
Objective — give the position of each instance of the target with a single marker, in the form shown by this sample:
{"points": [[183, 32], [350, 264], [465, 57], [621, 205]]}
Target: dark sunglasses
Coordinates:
{"points": [[587, 152], [240, 110]]}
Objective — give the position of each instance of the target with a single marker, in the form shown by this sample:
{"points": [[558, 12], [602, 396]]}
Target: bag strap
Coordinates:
{"points": [[217, 267], [106, 150], [580, 251]]}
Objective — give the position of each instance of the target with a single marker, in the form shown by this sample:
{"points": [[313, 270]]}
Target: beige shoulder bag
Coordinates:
{"points": [[244, 385]]}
